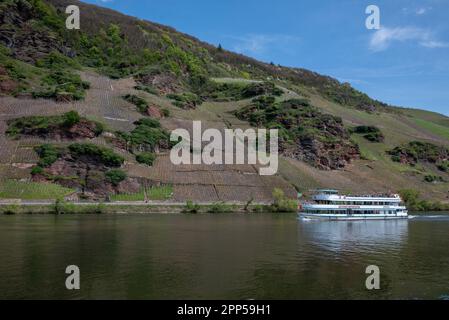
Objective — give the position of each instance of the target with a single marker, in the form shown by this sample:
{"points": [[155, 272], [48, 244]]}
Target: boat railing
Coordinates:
{"points": [[380, 195]]}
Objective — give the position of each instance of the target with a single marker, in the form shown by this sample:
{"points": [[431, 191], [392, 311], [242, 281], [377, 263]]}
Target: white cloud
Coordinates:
{"points": [[255, 44], [419, 11], [382, 38], [434, 44], [423, 10]]}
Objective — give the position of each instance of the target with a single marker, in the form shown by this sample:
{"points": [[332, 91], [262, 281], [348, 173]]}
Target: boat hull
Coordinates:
{"points": [[317, 216]]}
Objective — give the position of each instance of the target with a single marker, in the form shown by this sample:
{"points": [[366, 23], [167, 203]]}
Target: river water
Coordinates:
{"points": [[229, 256]]}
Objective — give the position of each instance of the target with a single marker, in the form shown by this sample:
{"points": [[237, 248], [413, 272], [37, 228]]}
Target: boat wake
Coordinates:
{"points": [[429, 217]]}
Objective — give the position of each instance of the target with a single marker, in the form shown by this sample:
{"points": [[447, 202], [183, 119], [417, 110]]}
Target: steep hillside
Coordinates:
{"points": [[132, 81]]}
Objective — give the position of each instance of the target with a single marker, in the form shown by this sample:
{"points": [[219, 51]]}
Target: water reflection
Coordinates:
{"points": [[337, 236]]}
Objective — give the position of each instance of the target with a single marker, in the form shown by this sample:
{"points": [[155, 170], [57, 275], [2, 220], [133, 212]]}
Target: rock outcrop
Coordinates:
{"points": [[164, 83], [417, 151], [305, 133], [27, 40], [323, 155], [87, 176], [83, 130], [7, 85], [154, 112]]}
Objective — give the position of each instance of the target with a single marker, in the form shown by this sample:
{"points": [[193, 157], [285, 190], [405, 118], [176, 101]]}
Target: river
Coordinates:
{"points": [[226, 256]]}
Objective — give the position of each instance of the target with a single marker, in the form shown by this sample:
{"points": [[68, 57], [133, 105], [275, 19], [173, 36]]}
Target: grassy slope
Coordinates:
{"points": [[32, 191], [434, 128], [377, 172]]}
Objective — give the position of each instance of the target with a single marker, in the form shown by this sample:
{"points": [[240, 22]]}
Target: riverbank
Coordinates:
{"points": [[60, 207], [11, 207]]}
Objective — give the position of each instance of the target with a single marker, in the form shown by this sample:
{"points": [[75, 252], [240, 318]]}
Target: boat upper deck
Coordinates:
{"points": [[333, 196]]}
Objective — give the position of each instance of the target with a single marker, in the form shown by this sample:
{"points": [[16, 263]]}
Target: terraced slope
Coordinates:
{"points": [[104, 103]]}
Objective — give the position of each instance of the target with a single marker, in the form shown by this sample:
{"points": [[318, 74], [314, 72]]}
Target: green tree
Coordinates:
{"points": [[282, 203], [71, 118], [115, 176], [410, 197], [146, 158]]}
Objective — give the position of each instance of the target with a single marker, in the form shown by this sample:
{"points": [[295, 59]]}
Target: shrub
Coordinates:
{"points": [[115, 176], [186, 100], [103, 154], [444, 166], [44, 125], [147, 89], [48, 155], [62, 83], [146, 158], [62, 206], [258, 208], [37, 170], [220, 207], [10, 209], [191, 207], [211, 90], [264, 88], [365, 129], [166, 112], [370, 133], [59, 206], [100, 208], [71, 118], [409, 196], [283, 204], [140, 103], [38, 124], [433, 178], [420, 151], [56, 61], [413, 202], [99, 128], [146, 136], [152, 123], [374, 137]]}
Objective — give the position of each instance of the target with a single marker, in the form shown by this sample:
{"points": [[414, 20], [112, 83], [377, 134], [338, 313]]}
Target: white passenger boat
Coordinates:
{"points": [[330, 205]]}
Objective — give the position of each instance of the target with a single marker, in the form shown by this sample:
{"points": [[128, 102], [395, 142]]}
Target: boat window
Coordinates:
{"points": [[328, 192]]}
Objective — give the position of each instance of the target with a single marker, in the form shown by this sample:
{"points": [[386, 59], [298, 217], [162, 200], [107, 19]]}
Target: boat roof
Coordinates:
{"points": [[327, 190]]}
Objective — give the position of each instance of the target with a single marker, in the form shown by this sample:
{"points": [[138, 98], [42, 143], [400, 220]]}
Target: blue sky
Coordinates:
{"points": [[405, 63]]}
